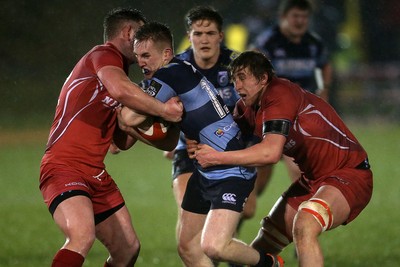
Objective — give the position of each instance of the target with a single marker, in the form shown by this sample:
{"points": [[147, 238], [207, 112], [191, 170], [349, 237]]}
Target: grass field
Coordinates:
{"points": [[29, 238]]}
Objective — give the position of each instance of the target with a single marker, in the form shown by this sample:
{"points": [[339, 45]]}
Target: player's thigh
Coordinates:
{"points": [[337, 202], [191, 227], [117, 232], [179, 187], [75, 217], [220, 227]]}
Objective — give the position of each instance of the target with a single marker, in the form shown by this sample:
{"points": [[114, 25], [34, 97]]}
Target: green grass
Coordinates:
{"points": [[30, 238]]}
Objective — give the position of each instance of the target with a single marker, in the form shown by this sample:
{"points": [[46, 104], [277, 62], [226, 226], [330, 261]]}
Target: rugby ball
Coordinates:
{"points": [[153, 129]]}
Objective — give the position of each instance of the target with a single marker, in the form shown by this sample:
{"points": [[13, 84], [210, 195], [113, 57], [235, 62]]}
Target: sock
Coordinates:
{"points": [[106, 265], [67, 258], [265, 260]]}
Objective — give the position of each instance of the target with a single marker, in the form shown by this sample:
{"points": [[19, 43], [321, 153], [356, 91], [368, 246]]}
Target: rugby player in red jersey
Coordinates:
{"points": [[336, 181], [82, 197]]}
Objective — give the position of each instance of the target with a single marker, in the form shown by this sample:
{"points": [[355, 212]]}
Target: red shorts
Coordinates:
{"points": [[356, 186], [101, 189]]}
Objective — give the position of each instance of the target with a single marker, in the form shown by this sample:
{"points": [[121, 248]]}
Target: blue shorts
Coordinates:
{"points": [[203, 195]]}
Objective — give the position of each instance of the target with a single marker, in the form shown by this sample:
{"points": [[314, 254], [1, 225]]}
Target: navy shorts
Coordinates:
{"points": [[203, 195], [181, 163]]}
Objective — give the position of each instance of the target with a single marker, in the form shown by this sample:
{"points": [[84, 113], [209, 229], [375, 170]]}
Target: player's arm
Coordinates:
{"points": [[323, 77], [129, 119], [269, 151], [123, 140], [167, 143], [131, 95]]}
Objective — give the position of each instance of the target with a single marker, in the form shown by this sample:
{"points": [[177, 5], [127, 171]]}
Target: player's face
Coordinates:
{"points": [[149, 56], [295, 22], [205, 39], [248, 86]]}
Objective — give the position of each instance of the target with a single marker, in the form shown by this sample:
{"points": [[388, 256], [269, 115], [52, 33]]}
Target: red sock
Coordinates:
{"points": [[67, 258]]}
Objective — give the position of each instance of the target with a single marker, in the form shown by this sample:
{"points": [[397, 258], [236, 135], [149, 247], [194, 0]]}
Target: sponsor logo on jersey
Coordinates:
{"points": [[291, 143], [219, 132], [229, 198], [223, 78], [76, 184], [110, 102], [153, 88]]}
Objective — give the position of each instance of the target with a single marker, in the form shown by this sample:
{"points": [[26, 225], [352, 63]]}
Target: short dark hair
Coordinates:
{"points": [[203, 13], [256, 62], [287, 5], [113, 20], [156, 31]]}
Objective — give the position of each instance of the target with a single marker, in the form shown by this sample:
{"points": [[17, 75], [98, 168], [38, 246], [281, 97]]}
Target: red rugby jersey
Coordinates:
{"points": [[85, 116], [318, 139]]}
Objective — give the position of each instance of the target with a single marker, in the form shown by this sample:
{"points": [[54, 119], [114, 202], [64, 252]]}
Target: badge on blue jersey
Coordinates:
{"points": [[219, 132], [153, 88], [223, 78]]}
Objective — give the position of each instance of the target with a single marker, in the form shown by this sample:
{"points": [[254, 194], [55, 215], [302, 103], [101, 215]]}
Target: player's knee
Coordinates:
{"points": [[81, 240], [271, 238], [125, 255], [320, 212], [184, 249], [213, 250]]}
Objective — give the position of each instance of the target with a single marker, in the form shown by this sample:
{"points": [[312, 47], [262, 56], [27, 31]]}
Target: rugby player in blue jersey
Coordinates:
{"points": [[208, 55], [214, 197]]}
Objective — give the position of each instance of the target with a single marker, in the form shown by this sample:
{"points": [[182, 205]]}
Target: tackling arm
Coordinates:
{"points": [[131, 95], [129, 119], [269, 151]]}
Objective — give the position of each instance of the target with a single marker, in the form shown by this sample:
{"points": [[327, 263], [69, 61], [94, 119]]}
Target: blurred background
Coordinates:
{"points": [[41, 41]]}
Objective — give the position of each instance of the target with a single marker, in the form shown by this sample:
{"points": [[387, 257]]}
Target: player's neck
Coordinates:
{"points": [[294, 38], [206, 64]]}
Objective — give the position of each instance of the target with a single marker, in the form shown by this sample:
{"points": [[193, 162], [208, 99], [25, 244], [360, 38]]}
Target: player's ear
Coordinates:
{"points": [[264, 79], [168, 52], [221, 36], [128, 32]]}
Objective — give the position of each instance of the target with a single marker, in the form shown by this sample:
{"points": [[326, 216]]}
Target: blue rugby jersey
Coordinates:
{"points": [[218, 75], [296, 62], [206, 119]]}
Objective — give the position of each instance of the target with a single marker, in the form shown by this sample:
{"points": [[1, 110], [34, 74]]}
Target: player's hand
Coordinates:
{"points": [[191, 147], [206, 156], [169, 154], [173, 110], [113, 149]]}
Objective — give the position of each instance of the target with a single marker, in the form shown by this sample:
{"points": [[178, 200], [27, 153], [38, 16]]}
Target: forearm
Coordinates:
{"points": [[133, 97], [129, 94], [253, 156], [122, 140]]}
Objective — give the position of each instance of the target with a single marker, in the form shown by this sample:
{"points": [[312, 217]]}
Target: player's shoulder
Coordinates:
{"points": [[178, 73], [186, 55], [177, 67], [313, 37], [281, 87], [269, 35], [227, 54], [102, 55], [105, 48]]}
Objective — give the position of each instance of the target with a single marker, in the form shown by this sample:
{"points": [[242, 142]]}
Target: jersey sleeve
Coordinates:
{"points": [[281, 102]]}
